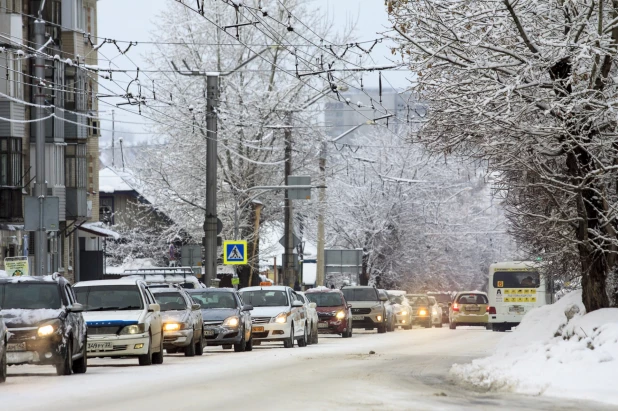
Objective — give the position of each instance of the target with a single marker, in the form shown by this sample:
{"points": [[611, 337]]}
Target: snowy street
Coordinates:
{"points": [[409, 370]]}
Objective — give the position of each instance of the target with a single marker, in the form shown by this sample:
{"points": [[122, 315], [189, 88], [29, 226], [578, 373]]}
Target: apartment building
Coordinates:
{"points": [[71, 135]]}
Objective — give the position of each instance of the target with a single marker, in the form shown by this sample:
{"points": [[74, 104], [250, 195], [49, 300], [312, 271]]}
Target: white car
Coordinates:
{"points": [[123, 320], [312, 318], [278, 315]]}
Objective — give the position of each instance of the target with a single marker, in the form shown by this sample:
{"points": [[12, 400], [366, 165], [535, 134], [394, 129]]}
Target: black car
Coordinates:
{"points": [[44, 322], [227, 321]]}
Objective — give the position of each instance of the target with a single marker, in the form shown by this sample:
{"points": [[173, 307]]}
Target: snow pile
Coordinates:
{"points": [[556, 351], [3, 273]]}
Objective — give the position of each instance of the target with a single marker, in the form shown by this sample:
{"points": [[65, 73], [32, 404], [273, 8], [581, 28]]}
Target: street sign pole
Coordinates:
{"points": [[210, 221]]}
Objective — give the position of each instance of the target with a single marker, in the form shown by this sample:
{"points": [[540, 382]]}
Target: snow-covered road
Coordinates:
{"points": [[409, 370]]}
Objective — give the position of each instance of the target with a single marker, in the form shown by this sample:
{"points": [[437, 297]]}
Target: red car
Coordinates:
{"points": [[334, 312]]}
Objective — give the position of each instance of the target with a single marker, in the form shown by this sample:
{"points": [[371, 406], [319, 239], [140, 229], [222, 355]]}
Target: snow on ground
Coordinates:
{"points": [[557, 350]]}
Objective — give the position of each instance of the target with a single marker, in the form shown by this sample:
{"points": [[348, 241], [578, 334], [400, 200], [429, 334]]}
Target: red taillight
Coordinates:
{"points": [[455, 307], [491, 310]]}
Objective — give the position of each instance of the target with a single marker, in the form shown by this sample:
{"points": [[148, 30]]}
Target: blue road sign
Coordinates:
{"points": [[235, 252]]}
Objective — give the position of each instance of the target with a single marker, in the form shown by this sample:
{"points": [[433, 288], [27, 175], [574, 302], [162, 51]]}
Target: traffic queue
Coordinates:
{"points": [[48, 321]]}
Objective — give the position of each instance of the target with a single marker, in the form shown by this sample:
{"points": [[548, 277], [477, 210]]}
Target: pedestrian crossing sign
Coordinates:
{"points": [[234, 252]]}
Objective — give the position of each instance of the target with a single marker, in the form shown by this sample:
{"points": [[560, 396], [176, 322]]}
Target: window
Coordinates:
{"points": [[214, 299], [109, 297], [76, 166], [30, 296], [516, 279], [171, 301], [472, 299], [360, 294], [10, 162]]}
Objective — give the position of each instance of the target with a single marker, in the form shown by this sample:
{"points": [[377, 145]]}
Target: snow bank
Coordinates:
{"points": [[557, 350]]}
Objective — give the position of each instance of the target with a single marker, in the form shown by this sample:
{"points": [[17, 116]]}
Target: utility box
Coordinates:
{"points": [[299, 193]]}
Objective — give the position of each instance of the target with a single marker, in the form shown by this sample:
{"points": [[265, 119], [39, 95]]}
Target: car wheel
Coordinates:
{"points": [[3, 366], [439, 325], [66, 366], [452, 325], [190, 349], [249, 346], [381, 329], [199, 345], [314, 336], [391, 327], [289, 343], [81, 366], [488, 326], [242, 345], [157, 358], [303, 341], [146, 359]]}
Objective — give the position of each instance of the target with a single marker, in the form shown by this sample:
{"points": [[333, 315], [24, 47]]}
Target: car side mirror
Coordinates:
{"points": [[247, 307], [195, 307], [297, 304], [152, 308], [76, 308], [349, 306], [312, 305], [382, 298]]}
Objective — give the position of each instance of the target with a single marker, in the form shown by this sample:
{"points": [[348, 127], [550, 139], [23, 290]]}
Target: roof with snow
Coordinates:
{"points": [[112, 180]]}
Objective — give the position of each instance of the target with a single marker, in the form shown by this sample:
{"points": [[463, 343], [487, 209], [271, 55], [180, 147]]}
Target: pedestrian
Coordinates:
{"points": [[296, 286]]}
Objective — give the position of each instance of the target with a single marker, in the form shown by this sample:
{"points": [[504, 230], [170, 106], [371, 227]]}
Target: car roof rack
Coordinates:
{"points": [[164, 271]]}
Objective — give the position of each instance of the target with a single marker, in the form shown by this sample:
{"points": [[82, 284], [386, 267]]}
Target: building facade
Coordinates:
{"points": [[71, 130]]}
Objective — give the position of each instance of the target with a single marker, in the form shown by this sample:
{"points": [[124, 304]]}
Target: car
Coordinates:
{"points": [[278, 315], [390, 312], [312, 318], [227, 320], [183, 327], [469, 308], [3, 341], [421, 313], [368, 310], [443, 299], [436, 312], [334, 312], [403, 310], [123, 319], [44, 322]]}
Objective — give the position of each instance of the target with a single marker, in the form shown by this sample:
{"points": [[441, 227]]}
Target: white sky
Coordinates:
{"points": [[134, 20]]}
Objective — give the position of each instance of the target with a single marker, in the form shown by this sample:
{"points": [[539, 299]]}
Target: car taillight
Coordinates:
{"points": [[491, 310], [455, 307]]}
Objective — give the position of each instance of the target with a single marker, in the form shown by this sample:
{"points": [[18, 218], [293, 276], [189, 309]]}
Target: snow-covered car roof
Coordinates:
{"points": [[211, 290], [266, 287], [322, 289], [121, 281]]}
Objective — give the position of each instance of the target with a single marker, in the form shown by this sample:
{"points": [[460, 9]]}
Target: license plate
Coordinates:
{"points": [[516, 309], [100, 346], [209, 333], [358, 318], [258, 329], [16, 347], [473, 309], [322, 325]]}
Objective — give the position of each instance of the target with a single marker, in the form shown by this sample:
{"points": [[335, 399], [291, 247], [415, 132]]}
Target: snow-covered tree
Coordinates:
{"points": [[529, 86]]}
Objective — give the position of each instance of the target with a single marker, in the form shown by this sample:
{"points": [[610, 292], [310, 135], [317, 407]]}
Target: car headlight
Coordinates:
{"points": [[281, 318], [173, 327], [231, 321], [46, 330], [403, 313], [340, 315], [422, 312], [379, 318], [133, 329]]}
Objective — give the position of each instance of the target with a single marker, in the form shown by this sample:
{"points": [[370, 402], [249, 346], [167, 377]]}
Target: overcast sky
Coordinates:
{"points": [[134, 20]]}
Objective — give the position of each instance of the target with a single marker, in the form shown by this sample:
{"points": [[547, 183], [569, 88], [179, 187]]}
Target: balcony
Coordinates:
{"points": [[11, 204], [76, 203]]}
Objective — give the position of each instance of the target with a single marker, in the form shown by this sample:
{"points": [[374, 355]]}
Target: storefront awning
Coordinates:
{"points": [[99, 229]]}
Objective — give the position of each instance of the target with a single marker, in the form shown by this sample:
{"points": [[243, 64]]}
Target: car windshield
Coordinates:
{"points": [[442, 298], [171, 301], [516, 279], [30, 296], [360, 294], [265, 298], [209, 300], [397, 299], [109, 297], [418, 299], [472, 299], [325, 299]]}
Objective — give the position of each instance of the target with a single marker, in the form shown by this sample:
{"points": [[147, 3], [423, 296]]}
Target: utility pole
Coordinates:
{"points": [[113, 138], [40, 186], [210, 221], [289, 274], [321, 209]]}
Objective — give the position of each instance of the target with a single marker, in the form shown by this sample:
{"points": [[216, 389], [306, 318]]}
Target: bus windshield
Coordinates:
{"points": [[516, 279]]}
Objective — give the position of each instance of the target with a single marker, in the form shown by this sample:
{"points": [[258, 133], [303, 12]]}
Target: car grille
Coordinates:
{"points": [[103, 330], [260, 320], [23, 334], [213, 323], [116, 348], [260, 335], [361, 310]]}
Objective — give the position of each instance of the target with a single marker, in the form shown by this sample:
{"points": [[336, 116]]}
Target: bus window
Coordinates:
{"points": [[516, 279]]}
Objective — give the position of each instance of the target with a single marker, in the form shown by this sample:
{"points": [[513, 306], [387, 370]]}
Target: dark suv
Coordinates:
{"points": [[44, 322]]}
